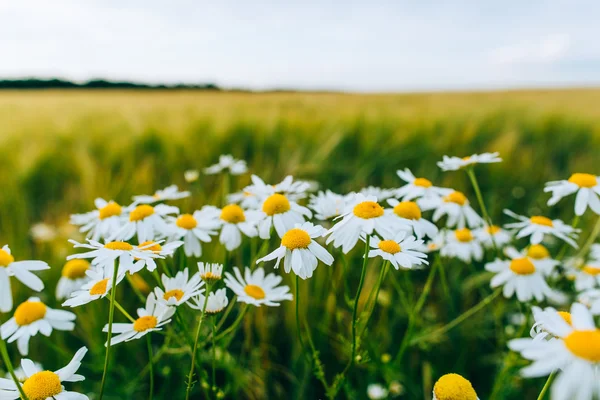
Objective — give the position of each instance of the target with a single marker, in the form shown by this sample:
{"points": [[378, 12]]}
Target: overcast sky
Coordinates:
{"points": [[349, 45]]}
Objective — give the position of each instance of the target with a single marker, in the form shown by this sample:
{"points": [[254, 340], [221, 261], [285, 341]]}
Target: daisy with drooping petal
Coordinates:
{"points": [[111, 252], [585, 185], [210, 272], [538, 330], [462, 244], [363, 216], [229, 164], [101, 223], [281, 213], [97, 287], [408, 214], [538, 226], [453, 387], [150, 319], [194, 229], [575, 353], [73, 277], [327, 205], [456, 163], [179, 289], [21, 270], [418, 188], [492, 235], [156, 248], [402, 251], [169, 193], [235, 221], [257, 289], [299, 251], [31, 317], [458, 209], [146, 221], [217, 301], [43, 385]]}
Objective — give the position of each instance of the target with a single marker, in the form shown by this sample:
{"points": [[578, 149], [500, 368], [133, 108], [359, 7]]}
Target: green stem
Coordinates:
{"points": [[565, 246], [125, 313], [591, 240], [371, 307], [547, 385], [195, 349], [151, 364], [234, 326], [10, 368], [214, 357], [484, 212], [111, 314], [298, 328]]}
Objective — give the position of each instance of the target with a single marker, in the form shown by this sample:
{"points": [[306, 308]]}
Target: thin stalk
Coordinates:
{"points": [[298, 327], [591, 240], [151, 365], [10, 368], [371, 307], [214, 356], [547, 385], [194, 351], [234, 326], [484, 212], [111, 315], [125, 313]]}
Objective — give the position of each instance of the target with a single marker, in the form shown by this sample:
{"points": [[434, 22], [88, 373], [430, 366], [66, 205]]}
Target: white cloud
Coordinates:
{"points": [[545, 50]]}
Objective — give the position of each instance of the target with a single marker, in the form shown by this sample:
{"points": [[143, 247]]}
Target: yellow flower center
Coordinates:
{"points": [[110, 210], [178, 294], [522, 266], [234, 214], [42, 385], [118, 246], [408, 210], [457, 198], [454, 387], [144, 323], [538, 252], [209, 276], [186, 221], [492, 230], [29, 311], [141, 212], [75, 269], [566, 316], [295, 239], [389, 246], [463, 235], [539, 220], [276, 204], [368, 210], [256, 292], [583, 180], [422, 182], [584, 344], [591, 270], [99, 288], [5, 258], [151, 245]]}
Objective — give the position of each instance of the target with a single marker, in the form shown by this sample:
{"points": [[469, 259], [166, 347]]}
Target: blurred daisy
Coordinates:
{"points": [[229, 164], [282, 213], [169, 193], [299, 251], [210, 272], [408, 214], [156, 248], [585, 185], [363, 216], [402, 251], [257, 289], [217, 301], [107, 254], [146, 221], [246, 200], [381, 194], [21, 270], [575, 353], [418, 188], [97, 287], [490, 235], [591, 299], [538, 226], [461, 244], [327, 205], [194, 228], [31, 317], [191, 175], [102, 222], [453, 387], [456, 163], [586, 277], [595, 252], [459, 211], [150, 319], [179, 289], [293, 190], [538, 255], [42, 385], [42, 232], [235, 221], [73, 277], [375, 391]]}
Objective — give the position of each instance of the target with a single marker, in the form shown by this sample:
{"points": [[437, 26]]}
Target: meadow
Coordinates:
{"points": [[62, 149]]}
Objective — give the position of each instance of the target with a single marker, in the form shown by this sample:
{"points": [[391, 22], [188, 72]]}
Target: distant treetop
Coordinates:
{"points": [[55, 83]]}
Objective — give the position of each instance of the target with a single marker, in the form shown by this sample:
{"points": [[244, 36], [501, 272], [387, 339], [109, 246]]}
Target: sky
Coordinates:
{"points": [[366, 46]]}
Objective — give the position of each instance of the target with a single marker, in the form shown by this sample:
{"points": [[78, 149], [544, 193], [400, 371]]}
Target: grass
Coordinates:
{"points": [[61, 149]]}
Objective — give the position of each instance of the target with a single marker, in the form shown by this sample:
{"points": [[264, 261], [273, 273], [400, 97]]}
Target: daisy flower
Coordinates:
{"points": [[101, 223], [538, 330], [210, 272], [585, 185], [40, 385], [492, 235], [453, 387], [381, 194], [456, 163], [217, 301], [43, 233], [73, 277], [255, 288], [21, 270], [157, 249], [299, 251], [375, 391], [408, 214], [591, 298], [235, 221], [363, 216], [538, 226], [150, 319], [458, 209], [327, 205], [31, 317], [169, 193], [194, 228], [402, 251], [574, 353], [282, 213], [107, 254], [229, 164], [98, 285], [435, 244], [179, 289], [462, 244], [586, 277], [146, 221], [247, 200], [418, 188], [595, 252], [191, 175]]}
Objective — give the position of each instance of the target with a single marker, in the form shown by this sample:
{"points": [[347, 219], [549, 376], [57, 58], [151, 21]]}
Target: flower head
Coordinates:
{"points": [[256, 288], [229, 164], [453, 387], [539, 226], [169, 193], [586, 186], [401, 251], [179, 289], [456, 163]]}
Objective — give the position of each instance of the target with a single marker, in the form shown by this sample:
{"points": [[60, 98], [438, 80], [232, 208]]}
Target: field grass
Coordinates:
{"points": [[61, 149]]}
